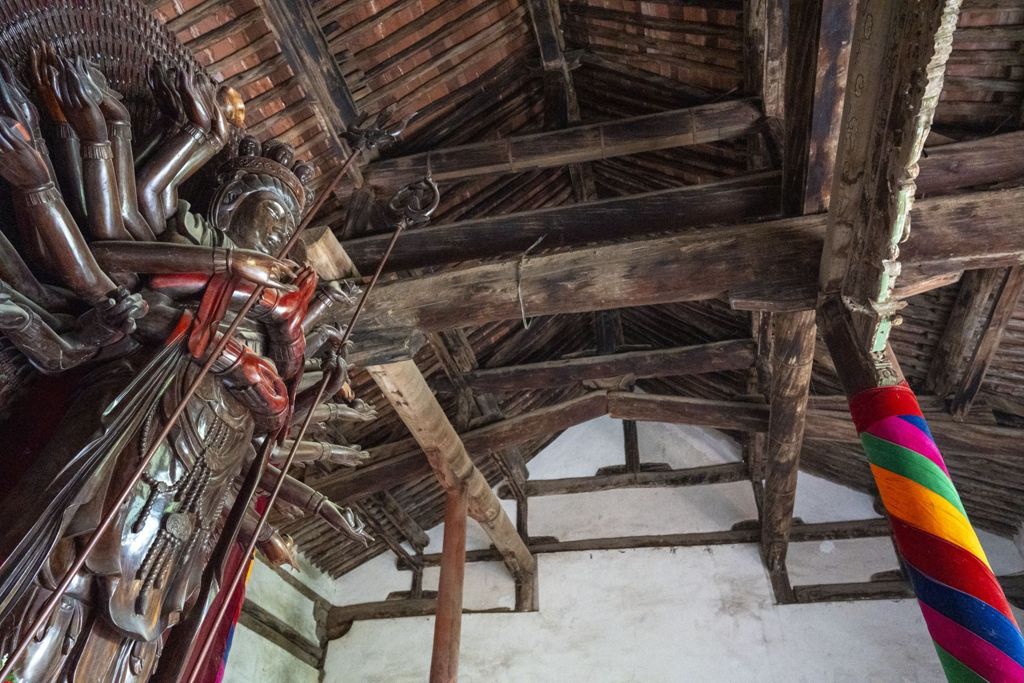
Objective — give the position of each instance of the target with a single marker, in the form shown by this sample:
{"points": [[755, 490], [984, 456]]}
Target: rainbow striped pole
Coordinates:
{"points": [[963, 605]]}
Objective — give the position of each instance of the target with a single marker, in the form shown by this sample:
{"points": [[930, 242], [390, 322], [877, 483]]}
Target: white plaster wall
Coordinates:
{"points": [[253, 658], [685, 614]]}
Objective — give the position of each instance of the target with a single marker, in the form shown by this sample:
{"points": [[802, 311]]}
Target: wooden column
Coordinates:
{"points": [[897, 63], [406, 390], [792, 358], [444, 662]]}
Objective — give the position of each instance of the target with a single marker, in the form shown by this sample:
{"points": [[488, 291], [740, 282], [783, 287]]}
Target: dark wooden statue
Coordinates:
{"points": [[113, 286]]}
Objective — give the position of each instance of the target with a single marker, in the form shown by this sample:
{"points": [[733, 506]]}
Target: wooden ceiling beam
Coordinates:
{"points": [[983, 308], [685, 360], [943, 170], [897, 63], [769, 261], [664, 130], [693, 476], [727, 201]]}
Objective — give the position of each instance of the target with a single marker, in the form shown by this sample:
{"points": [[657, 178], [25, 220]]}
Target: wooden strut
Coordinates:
{"points": [[405, 388], [444, 662]]}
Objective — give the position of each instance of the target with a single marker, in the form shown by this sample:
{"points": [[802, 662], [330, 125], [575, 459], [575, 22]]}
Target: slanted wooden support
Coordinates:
{"points": [[444, 662], [984, 306], [769, 260], [685, 360], [897, 62], [792, 358], [305, 49], [727, 201], [406, 390], [591, 142]]}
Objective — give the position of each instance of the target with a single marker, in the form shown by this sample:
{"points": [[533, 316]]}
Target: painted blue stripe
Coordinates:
{"points": [[973, 614], [920, 423]]}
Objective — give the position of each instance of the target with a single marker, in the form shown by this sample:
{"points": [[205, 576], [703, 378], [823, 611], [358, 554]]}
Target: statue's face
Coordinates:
{"points": [[263, 222]]}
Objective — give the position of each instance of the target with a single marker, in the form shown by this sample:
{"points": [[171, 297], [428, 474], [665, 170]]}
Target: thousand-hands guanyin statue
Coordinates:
{"points": [[115, 275]]}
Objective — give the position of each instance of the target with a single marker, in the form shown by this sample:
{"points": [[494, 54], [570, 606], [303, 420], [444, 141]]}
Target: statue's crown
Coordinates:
{"points": [[274, 159]]}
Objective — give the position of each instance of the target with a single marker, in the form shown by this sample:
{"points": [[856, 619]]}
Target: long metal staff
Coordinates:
{"points": [[407, 194], [54, 599]]}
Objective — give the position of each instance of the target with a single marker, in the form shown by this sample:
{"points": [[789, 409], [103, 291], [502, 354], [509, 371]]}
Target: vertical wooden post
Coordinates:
{"points": [[792, 358], [444, 663], [632, 445]]}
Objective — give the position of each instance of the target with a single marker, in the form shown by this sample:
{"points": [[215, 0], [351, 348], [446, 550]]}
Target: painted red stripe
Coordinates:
{"points": [[872, 405], [950, 564]]}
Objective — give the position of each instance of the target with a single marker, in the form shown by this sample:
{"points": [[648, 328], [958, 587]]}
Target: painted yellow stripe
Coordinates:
{"points": [[921, 507]]}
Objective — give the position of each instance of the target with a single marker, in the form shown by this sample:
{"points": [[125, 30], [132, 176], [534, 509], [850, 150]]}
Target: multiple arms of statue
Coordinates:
{"points": [[52, 352], [171, 158], [66, 153], [44, 216], [119, 130]]}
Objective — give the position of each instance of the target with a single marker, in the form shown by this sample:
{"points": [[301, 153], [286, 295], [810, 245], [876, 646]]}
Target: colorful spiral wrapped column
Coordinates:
{"points": [[968, 617]]}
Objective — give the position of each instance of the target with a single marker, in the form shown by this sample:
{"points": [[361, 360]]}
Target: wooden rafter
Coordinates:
{"points": [[306, 51], [714, 357], [561, 105]]}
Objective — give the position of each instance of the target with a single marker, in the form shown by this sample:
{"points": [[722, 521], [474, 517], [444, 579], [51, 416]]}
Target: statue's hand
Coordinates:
{"points": [[20, 163], [42, 65], [12, 315], [346, 521], [120, 310], [111, 105], [262, 269], [164, 93], [79, 102], [13, 100], [195, 99]]}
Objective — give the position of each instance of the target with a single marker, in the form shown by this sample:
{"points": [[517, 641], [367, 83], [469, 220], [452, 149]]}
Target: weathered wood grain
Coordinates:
{"points": [[406, 390], [591, 142], [792, 355], [897, 62], [971, 230], [714, 357]]}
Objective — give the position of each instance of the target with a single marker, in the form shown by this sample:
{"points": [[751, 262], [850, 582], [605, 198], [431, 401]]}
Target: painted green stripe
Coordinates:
{"points": [[911, 465], [956, 671]]}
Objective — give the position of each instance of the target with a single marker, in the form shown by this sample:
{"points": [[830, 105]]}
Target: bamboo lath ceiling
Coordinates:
{"points": [[472, 69]]}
